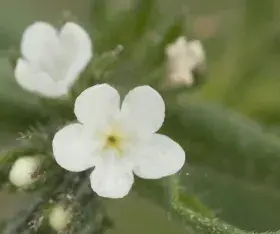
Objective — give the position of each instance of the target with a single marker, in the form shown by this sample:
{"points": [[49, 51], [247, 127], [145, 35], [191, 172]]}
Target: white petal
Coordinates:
{"points": [[38, 40], [198, 54], [32, 79], [76, 50], [143, 110], [195, 55], [111, 178], [177, 48], [180, 73], [160, 157], [97, 105], [73, 149]]}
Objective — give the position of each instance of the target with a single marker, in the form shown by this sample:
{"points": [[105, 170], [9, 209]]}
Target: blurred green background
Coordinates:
{"points": [[240, 92]]}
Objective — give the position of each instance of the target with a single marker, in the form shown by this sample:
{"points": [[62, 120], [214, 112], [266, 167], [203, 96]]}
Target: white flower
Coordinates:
{"points": [[23, 171], [52, 60], [182, 58], [60, 217], [118, 141]]}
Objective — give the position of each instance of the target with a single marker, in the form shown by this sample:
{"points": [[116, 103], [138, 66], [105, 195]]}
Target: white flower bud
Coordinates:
{"points": [[182, 58], [60, 217], [23, 171]]}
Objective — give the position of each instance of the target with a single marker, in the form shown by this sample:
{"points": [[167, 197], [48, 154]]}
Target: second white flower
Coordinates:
{"points": [[52, 60]]}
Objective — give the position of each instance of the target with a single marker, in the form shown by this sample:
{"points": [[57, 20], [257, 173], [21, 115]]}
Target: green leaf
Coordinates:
{"points": [[225, 141], [249, 206]]}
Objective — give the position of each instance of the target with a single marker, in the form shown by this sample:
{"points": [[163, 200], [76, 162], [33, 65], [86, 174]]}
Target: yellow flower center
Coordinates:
{"points": [[114, 141]]}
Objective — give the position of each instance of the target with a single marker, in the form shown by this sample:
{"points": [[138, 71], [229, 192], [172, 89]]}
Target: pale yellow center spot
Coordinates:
{"points": [[114, 141]]}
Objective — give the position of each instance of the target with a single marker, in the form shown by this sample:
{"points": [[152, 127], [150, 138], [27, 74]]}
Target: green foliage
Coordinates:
{"points": [[234, 160], [226, 141]]}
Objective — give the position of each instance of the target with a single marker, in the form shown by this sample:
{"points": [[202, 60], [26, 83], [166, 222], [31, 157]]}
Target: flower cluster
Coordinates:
{"points": [[117, 140]]}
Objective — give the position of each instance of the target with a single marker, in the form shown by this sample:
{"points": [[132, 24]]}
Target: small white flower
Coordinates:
{"points": [[52, 60], [118, 141], [60, 217], [23, 171], [182, 58]]}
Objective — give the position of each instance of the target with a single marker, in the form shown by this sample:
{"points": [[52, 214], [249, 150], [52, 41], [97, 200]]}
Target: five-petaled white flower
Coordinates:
{"points": [[183, 57], [118, 141], [52, 60]]}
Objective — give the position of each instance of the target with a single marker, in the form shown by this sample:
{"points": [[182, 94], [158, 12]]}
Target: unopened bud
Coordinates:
{"points": [[24, 171], [60, 217]]}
